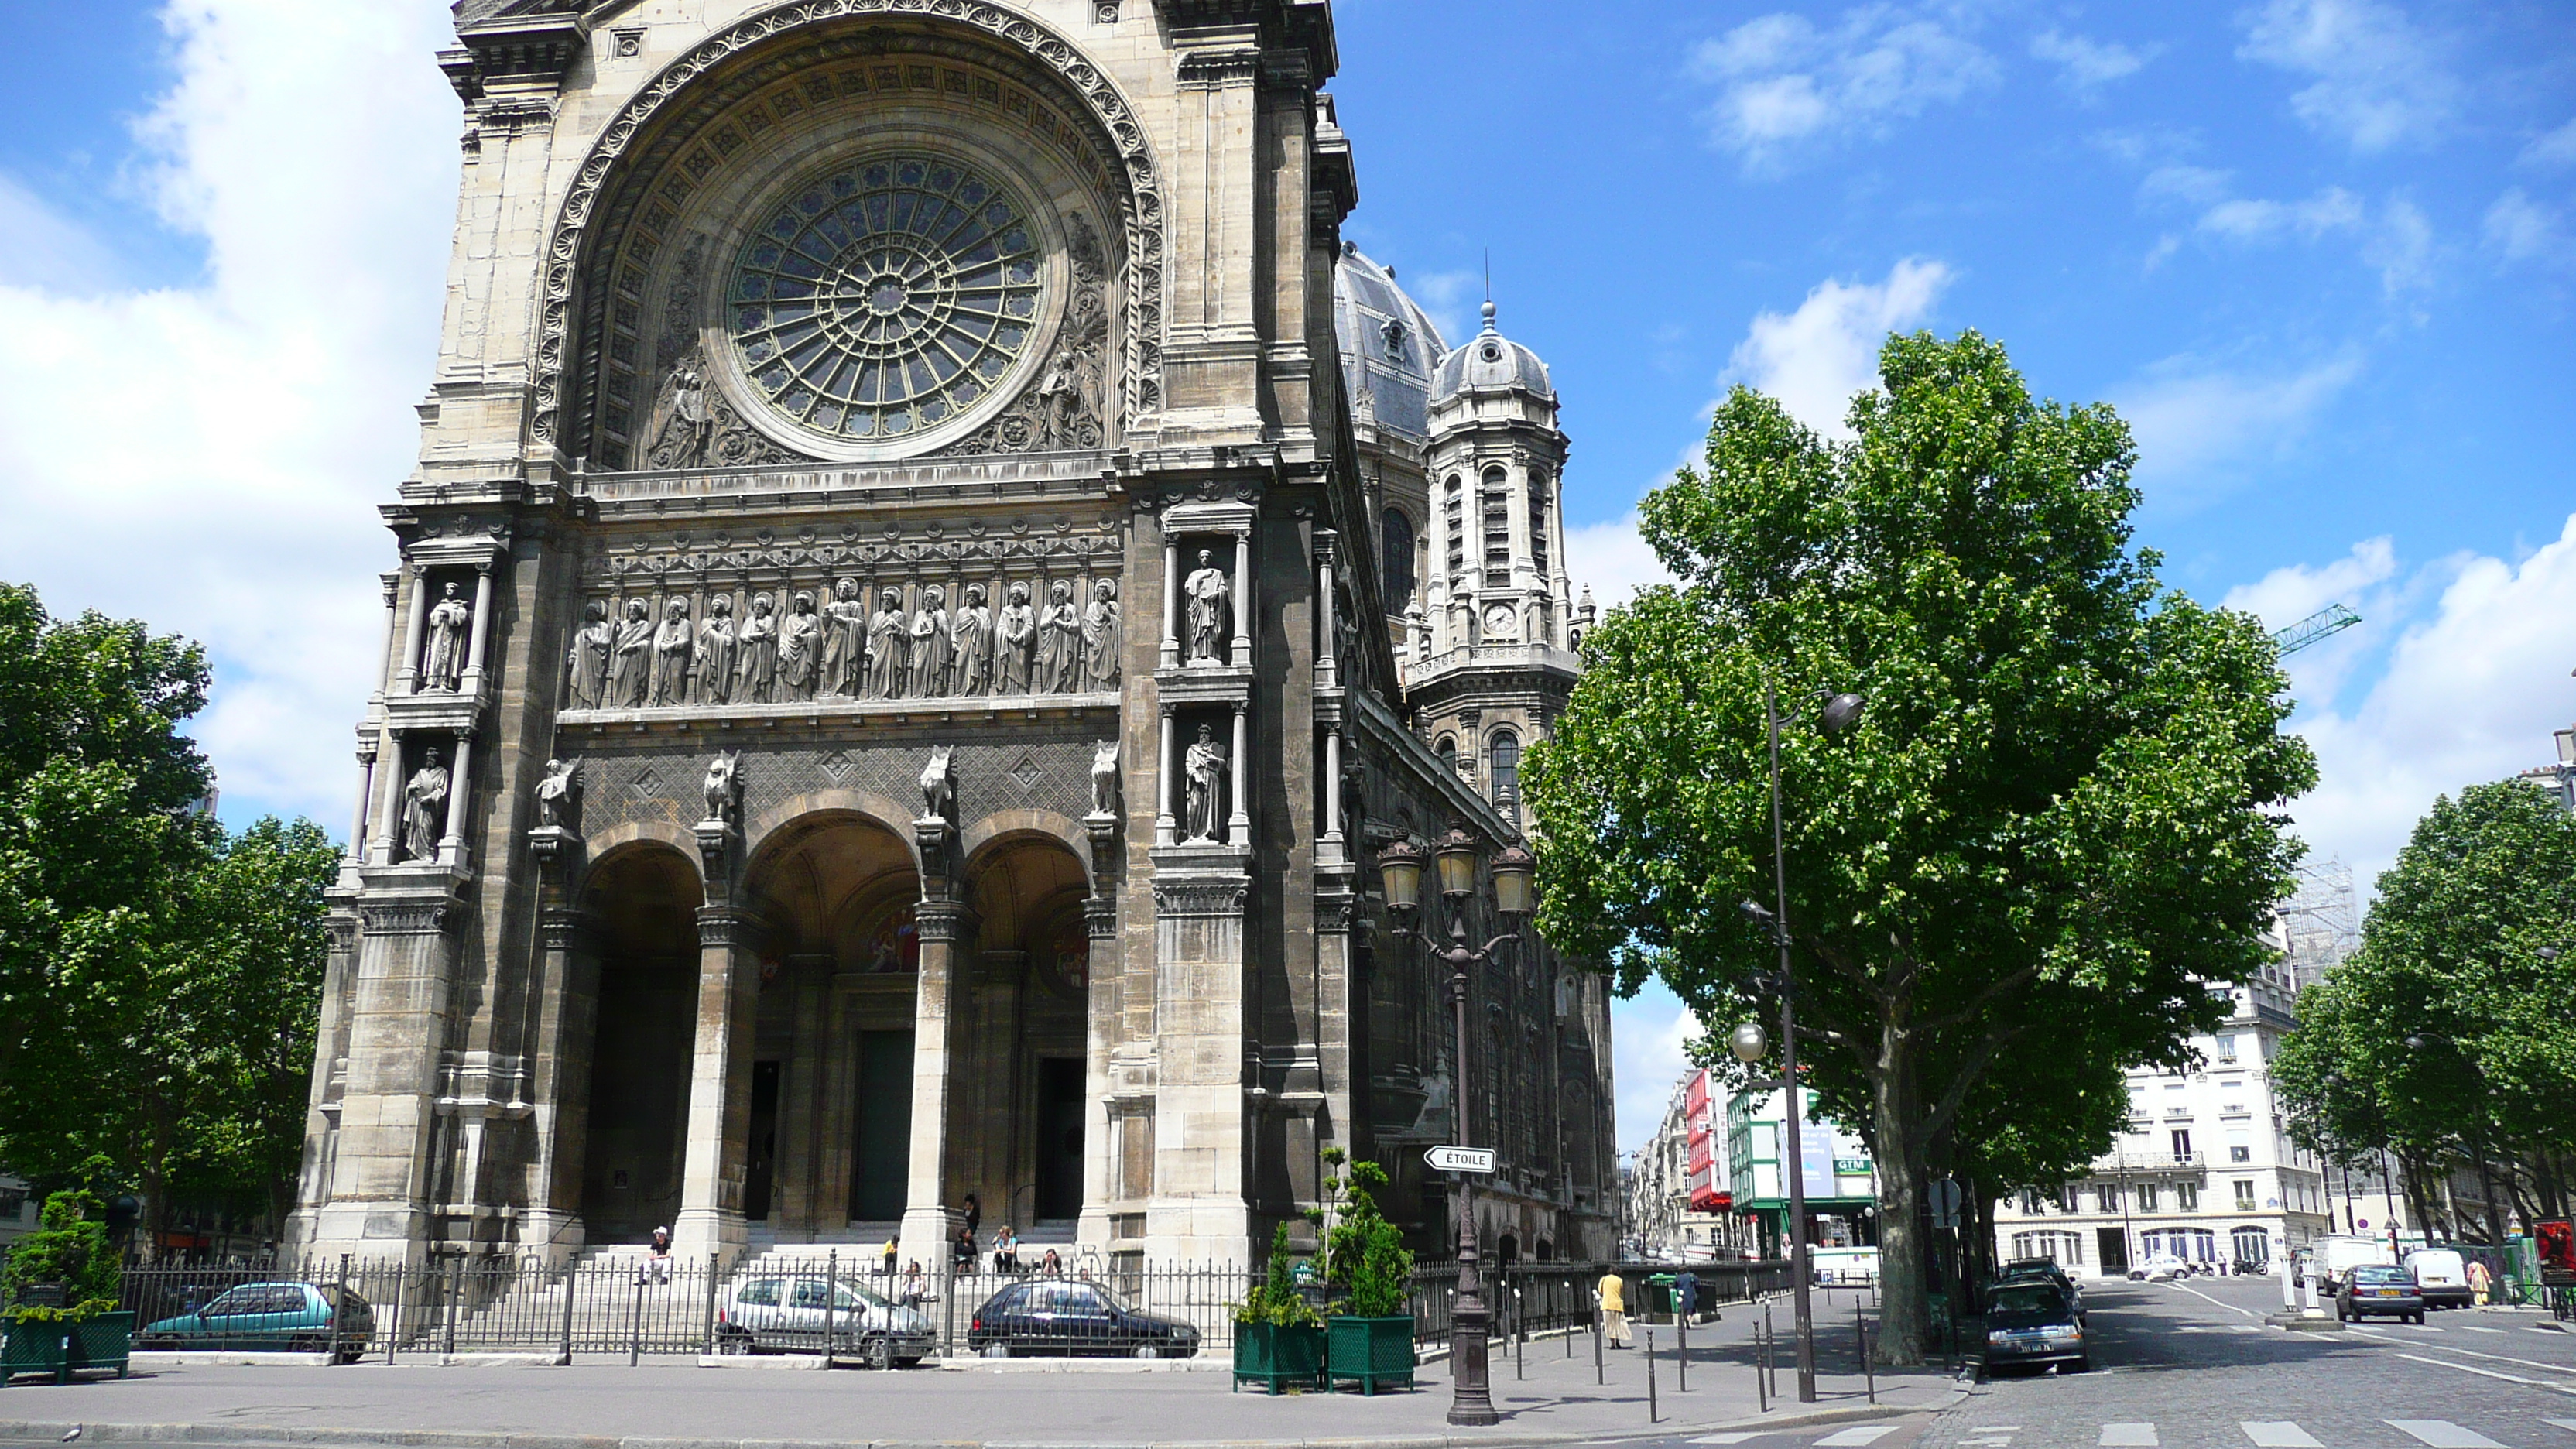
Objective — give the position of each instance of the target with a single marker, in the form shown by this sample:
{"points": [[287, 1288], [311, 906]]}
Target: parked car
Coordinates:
{"points": [[789, 1313], [270, 1318], [2441, 1276], [2034, 1322], [2374, 1289], [2337, 1254], [1060, 1316], [2162, 1268], [2044, 1270]]}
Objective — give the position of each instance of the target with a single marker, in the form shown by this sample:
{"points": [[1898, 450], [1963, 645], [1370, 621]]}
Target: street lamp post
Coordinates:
{"points": [[1836, 715], [1400, 872]]}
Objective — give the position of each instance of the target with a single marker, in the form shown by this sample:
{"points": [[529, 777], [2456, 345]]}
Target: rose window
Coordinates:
{"points": [[886, 298]]}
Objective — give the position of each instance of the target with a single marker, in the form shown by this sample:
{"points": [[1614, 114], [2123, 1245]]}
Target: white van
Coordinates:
{"points": [[2441, 1275], [2337, 1254]]}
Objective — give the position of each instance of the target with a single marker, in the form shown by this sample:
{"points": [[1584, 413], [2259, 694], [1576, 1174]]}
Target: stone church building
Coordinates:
{"points": [[932, 572]]}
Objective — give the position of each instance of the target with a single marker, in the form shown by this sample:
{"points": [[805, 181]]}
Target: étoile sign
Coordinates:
{"points": [[1460, 1159]]}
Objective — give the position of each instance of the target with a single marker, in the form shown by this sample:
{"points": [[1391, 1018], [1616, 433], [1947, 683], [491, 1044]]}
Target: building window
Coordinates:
{"points": [[2244, 1194], [2239, 1152], [1396, 546], [2066, 1199], [2146, 1197], [1447, 750], [2227, 1047], [2110, 1196], [1456, 522], [2252, 1245], [1503, 766], [2029, 1207], [1498, 529], [2187, 1196], [2182, 1144]]}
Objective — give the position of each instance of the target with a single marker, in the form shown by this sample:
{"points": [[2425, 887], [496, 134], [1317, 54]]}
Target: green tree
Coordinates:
{"points": [[2449, 1036], [2054, 827]]}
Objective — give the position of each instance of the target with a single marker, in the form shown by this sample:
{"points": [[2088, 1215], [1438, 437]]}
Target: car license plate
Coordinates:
{"points": [[2388, 1293]]}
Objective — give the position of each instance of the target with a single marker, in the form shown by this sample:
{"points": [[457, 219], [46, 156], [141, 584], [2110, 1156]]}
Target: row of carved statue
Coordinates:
{"points": [[842, 651]]}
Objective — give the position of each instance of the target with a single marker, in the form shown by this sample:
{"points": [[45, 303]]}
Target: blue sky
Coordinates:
{"points": [[2321, 252]]}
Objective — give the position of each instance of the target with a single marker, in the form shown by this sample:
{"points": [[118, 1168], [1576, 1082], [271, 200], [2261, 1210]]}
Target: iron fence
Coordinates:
{"points": [[790, 1301]]}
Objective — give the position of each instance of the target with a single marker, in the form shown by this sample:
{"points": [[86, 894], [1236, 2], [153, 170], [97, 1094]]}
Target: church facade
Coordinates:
{"points": [[932, 572]]}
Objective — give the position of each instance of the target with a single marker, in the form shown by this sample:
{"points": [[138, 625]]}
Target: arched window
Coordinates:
{"points": [[1447, 750], [1396, 548], [1455, 521], [1503, 764], [1498, 529]]}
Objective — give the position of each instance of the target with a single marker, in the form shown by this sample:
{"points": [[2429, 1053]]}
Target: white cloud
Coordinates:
{"points": [[2333, 209], [2380, 79], [209, 458], [2395, 239], [1449, 297], [41, 248], [2553, 148], [1650, 1037], [2194, 185], [1815, 358], [1785, 83], [2360, 580], [2522, 228], [2200, 426], [2475, 682], [2086, 65], [1612, 560]]}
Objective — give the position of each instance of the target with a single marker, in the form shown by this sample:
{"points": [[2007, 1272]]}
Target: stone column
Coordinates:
{"points": [[1197, 1212], [929, 1222], [1170, 654], [389, 813], [1167, 825], [1241, 654], [1332, 838], [567, 1009], [357, 854], [717, 1156], [451, 843], [1238, 825], [409, 676], [381, 1171], [482, 629], [1327, 611]]}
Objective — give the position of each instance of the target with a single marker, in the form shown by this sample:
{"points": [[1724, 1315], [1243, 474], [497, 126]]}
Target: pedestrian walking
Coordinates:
{"points": [[2480, 1281], [657, 1268], [889, 1259], [1612, 1294]]}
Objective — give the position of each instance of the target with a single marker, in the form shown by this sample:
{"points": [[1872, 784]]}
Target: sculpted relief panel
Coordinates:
{"points": [[1052, 773]]}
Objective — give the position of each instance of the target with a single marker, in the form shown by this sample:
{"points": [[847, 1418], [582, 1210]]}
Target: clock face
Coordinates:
{"points": [[1502, 622], [885, 300]]}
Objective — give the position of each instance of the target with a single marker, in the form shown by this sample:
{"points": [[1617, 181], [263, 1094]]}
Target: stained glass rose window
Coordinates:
{"points": [[885, 298]]}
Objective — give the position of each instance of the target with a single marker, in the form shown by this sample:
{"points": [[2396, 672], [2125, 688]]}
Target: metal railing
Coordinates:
{"points": [[627, 1306]]}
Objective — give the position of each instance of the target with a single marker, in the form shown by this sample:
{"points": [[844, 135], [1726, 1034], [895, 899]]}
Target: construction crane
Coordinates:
{"points": [[2332, 619]]}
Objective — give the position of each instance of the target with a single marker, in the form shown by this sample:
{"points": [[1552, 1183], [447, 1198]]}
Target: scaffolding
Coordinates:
{"points": [[2321, 921]]}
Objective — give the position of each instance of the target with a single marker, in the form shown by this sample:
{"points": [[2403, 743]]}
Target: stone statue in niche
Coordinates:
{"points": [[970, 645], [683, 421], [424, 806], [1104, 779], [630, 665], [888, 635], [800, 650], [1013, 639], [673, 646], [1210, 607], [845, 643], [586, 666], [442, 659], [1059, 642], [724, 786], [939, 784], [1100, 638], [755, 676], [929, 667], [1204, 789], [716, 650], [557, 790]]}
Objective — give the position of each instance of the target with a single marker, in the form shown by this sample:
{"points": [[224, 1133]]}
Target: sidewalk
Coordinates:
{"points": [[673, 1404]]}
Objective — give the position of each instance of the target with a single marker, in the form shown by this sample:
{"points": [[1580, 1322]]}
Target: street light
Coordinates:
{"points": [[1834, 715], [1400, 877]]}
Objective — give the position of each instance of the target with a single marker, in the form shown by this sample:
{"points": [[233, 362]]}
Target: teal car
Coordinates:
{"points": [[270, 1317]]}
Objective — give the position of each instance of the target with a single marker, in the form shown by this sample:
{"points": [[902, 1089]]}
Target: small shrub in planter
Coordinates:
{"points": [[1370, 1341], [1278, 1339], [76, 1325]]}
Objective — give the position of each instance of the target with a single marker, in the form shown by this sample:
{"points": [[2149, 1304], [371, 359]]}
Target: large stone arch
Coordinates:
{"points": [[642, 895], [762, 833], [984, 832], [633, 157]]}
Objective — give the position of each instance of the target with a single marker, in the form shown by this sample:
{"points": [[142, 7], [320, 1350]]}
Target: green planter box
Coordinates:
{"points": [[64, 1349], [1273, 1354], [1371, 1352]]}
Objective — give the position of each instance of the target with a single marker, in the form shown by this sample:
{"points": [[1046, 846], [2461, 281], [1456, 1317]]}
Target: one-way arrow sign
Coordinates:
{"points": [[1460, 1159]]}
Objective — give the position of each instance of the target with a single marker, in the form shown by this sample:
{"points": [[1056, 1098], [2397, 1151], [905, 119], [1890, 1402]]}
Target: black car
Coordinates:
{"points": [[2043, 1270], [2378, 1288], [1062, 1317], [2034, 1322]]}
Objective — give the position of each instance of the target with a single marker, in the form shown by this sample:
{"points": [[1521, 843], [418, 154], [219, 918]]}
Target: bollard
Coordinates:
{"points": [[572, 1293], [1681, 1352], [1869, 1371], [1651, 1416], [831, 1297], [1761, 1391], [1599, 1374], [715, 1264], [455, 1290], [338, 1327], [635, 1326]]}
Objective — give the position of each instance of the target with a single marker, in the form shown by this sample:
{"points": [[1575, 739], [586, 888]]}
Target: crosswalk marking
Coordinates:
{"points": [[1726, 1438], [2473, 1328], [1865, 1434], [2132, 1434], [2442, 1434], [2567, 1424], [2279, 1434]]}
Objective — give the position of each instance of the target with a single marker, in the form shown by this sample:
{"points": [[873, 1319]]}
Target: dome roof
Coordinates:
{"points": [[1492, 360], [1390, 347]]}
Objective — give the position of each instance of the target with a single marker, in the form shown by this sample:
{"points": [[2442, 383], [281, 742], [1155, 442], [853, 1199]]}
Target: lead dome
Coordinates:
{"points": [[1491, 360]]}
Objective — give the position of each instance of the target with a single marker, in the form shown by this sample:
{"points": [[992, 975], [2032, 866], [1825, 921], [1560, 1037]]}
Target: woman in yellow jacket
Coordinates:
{"points": [[1614, 1309]]}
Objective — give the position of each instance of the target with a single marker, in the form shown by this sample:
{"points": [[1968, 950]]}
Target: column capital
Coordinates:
{"points": [[948, 921], [721, 925]]}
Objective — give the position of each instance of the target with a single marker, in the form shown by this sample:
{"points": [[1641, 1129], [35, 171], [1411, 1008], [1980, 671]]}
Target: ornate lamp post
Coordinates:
{"points": [[1835, 715], [1400, 874]]}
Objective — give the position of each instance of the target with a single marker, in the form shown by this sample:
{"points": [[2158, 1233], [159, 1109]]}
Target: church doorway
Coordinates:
{"points": [[644, 901], [1017, 1088], [881, 1155], [1059, 1145], [757, 1187]]}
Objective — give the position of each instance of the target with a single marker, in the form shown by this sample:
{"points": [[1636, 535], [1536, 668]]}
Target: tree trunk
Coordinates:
{"points": [[1905, 1315], [2495, 1208], [2416, 1197]]}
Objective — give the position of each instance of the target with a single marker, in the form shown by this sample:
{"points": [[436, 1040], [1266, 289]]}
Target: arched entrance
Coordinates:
{"points": [[1019, 1086], [644, 902]]}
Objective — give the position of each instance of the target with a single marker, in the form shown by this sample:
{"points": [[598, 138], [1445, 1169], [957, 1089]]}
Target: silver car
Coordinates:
{"points": [[793, 1312]]}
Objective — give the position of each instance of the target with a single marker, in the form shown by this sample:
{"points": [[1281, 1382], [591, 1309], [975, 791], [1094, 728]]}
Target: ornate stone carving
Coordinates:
{"points": [[716, 651], [694, 426], [559, 792], [674, 645], [723, 787], [1210, 595], [1201, 895], [939, 784], [1062, 412], [1100, 638], [442, 658], [586, 663], [1105, 780], [1014, 640], [800, 649], [1204, 771], [424, 807], [755, 678], [1059, 669], [405, 917], [630, 660]]}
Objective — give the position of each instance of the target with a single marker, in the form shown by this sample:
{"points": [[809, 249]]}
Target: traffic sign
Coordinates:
{"points": [[1460, 1159]]}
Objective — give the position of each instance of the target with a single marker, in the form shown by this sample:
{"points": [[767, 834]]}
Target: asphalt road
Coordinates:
{"points": [[2192, 1366]]}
